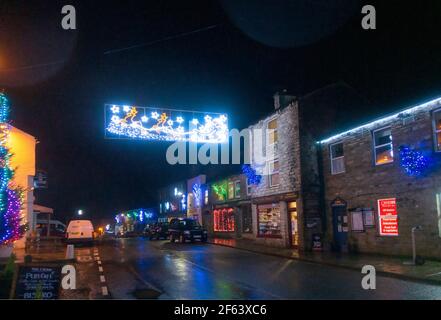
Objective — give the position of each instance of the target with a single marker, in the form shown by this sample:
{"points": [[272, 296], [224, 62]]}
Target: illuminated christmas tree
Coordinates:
{"points": [[11, 197]]}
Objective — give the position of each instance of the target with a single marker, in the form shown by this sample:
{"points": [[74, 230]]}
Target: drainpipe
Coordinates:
{"points": [[322, 201], [413, 262]]}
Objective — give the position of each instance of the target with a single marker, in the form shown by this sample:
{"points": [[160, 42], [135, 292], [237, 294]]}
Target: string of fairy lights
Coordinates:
{"points": [[11, 198]]}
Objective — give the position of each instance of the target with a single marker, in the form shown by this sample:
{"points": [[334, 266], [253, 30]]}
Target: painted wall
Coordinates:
{"points": [[23, 145]]}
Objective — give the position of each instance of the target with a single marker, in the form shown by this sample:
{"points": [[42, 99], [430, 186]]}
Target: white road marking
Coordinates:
{"points": [[99, 262], [103, 279], [104, 291], [100, 269]]}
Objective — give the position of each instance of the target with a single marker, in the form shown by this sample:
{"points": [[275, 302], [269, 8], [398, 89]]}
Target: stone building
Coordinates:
{"points": [[290, 196], [275, 156], [383, 178]]}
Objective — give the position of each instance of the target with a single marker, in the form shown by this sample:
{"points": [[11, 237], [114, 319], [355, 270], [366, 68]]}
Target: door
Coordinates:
{"points": [[294, 224], [340, 226]]}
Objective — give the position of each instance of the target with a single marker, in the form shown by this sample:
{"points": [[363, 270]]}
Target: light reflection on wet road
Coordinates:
{"points": [[204, 271]]}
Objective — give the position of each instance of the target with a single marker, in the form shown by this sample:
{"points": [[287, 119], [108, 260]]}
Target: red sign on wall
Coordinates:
{"points": [[388, 217]]}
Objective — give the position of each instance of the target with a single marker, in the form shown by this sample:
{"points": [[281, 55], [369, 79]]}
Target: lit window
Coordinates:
{"points": [[206, 196], [337, 158], [224, 220], [272, 132], [383, 148], [237, 189], [230, 190], [274, 173], [437, 129]]}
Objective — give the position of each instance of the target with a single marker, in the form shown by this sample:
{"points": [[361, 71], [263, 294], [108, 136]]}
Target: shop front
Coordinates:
{"points": [[277, 222], [227, 210]]}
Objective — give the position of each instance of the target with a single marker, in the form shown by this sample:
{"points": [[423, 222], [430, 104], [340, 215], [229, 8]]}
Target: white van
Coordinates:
{"points": [[79, 231]]}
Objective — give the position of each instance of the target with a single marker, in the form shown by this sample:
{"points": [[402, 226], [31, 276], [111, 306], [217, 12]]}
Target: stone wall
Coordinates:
{"points": [[363, 184]]}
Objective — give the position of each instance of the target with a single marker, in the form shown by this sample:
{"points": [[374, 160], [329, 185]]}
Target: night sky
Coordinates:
{"points": [[219, 56]]}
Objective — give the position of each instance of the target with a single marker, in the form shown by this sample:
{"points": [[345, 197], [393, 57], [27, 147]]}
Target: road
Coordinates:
{"points": [[204, 271]]}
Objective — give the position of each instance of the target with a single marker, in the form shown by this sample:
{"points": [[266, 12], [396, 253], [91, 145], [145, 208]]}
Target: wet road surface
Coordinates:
{"points": [[204, 271]]}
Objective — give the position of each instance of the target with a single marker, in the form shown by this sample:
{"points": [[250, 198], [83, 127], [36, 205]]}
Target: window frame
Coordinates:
{"points": [[237, 196], [342, 157], [375, 147], [230, 196], [435, 131], [248, 187], [274, 172]]}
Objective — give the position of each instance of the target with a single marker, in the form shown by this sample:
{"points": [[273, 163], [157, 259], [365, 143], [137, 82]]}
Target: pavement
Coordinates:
{"points": [[396, 267]]}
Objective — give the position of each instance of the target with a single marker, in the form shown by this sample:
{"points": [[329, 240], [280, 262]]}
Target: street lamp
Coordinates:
{"points": [[80, 212]]}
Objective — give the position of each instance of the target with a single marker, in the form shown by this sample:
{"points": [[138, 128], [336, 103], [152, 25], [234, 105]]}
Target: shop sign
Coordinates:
{"points": [[388, 217], [37, 282]]}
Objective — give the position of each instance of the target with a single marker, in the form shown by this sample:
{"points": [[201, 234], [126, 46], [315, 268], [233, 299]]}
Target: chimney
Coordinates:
{"points": [[283, 99]]}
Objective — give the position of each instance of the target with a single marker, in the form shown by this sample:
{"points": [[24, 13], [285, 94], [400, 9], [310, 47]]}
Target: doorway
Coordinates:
{"points": [[293, 225], [340, 224]]}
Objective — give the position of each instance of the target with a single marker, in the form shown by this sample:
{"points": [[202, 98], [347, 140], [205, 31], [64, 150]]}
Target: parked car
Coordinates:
{"points": [[80, 231], [157, 231], [186, 229]]}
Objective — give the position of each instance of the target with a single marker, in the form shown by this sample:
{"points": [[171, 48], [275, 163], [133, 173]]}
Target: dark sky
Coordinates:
{"points": [[58, 81]]}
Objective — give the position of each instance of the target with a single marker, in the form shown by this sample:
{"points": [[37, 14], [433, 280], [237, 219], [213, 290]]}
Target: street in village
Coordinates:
{"points": [[137, 268]]}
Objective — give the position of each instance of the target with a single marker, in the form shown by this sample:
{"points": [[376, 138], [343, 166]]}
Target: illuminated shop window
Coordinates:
{"points": [[269, 221], [383, 148], [237, 189], [437, 129], [337, 158], [274, 173], [223, 220]]}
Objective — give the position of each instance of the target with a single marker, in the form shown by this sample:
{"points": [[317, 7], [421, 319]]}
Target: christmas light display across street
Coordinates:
{"points": [[165, 124]]}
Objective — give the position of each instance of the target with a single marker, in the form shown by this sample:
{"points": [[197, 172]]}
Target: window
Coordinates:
{"points": [[230, 190], [272, 132], [237, 189], [206, 196], [274, 173], [437, 129], [337, 158], [249, 187], [223, 220], [357, 224], [269, 220], [383, 148]]}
